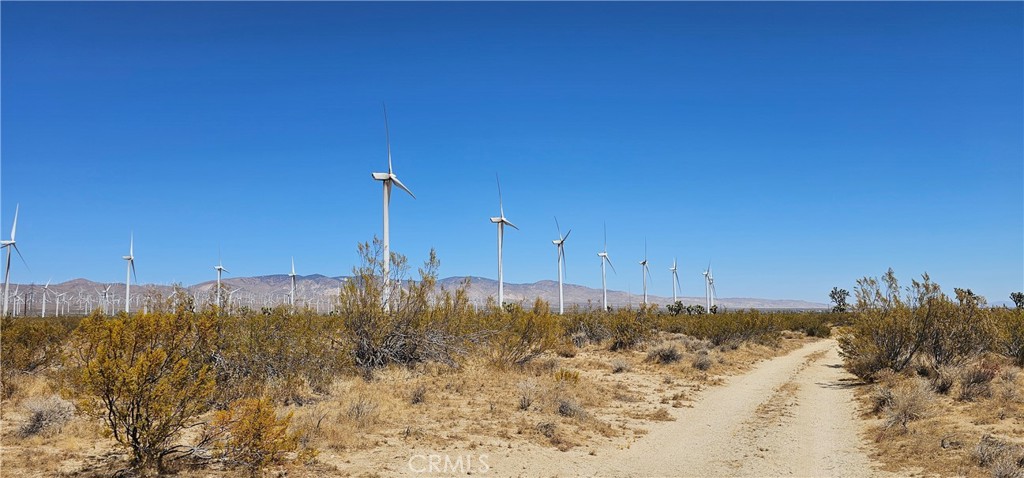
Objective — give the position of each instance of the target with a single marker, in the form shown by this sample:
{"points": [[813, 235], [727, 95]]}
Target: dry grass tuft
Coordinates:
{"points": [[664, 354], [620, 366], [702, 361]]}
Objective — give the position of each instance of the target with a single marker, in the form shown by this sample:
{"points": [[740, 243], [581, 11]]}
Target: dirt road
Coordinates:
{"points": [[789, 416]]}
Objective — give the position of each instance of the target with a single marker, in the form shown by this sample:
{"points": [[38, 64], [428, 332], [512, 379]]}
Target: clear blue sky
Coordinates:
{"points": [[796, 146]]}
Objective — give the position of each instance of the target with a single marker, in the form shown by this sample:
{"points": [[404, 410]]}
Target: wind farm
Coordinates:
{"points": [[828, 165]]}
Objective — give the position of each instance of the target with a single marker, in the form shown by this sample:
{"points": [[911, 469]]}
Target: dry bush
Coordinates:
{"points": [[254, 436], [1010, 333], [976, 379], [629, 328], [363, 411], [46, 415], [1004, 459], [517, 336], [943, 379], [911, 400], [528, 393], [702, 361], [569, 407], [29, 345], [664, 354], [418, 394], [619, 366]]}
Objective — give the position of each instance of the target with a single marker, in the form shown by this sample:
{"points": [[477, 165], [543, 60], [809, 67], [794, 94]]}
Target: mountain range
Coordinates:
{"points": [[80, 295]]}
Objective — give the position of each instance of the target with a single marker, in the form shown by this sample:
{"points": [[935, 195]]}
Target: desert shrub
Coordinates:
{"points": [[628, 328], [911, 400], [950, 334], [943, 378], [1009, 333], [664, 354], [619, 366], [528, 391], [29, 345], [516, 337], [400, 321], [145, 376], [702, 361], [976, 379], [1005, 460], [46, 414], [254, 436], [884, 331], [586, 326], [569, 407]]}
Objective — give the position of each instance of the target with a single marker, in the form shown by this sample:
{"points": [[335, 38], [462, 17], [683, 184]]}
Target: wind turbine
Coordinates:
{"points": [[675, 280], [560, 243], [10, 245], [46, 290], [292, 275], [604, 258], [501, 221], [709, 288], [645, 271], [130, 272], [219, 268], [387, 179]]}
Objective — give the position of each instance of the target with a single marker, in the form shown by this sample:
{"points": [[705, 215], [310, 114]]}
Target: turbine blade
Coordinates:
{"points": [[501, 206], [610, 263], [293, 266], [14, 228], [131, 245], [510, 224], [132, 262], [566, 235], [558, 227], [387, 136], [15, 246], [402, 186]]}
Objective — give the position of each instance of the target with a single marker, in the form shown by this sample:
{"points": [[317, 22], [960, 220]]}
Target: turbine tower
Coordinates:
{"points": [[387, 179], [645, 271], [560, 243], [501, 221], [675, 280], [10, 245], [604, 258], [292, 275], [46, 290], [219, 268], [131, 271]]}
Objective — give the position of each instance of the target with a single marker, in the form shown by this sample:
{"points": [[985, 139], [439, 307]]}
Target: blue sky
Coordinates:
{"points": [[796, 146]]}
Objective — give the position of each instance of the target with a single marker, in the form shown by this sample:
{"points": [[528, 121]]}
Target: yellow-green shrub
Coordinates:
{"points": [[254, 436]]}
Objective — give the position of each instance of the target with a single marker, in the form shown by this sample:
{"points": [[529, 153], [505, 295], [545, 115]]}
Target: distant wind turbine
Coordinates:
{"points": [[292, 275], [675, 280], [387, 179], [46, 290], [10, 245], [131, 271], [560, 243], [604, 258], [220, 269], [501, 221], [709, 288], [645, 271]]}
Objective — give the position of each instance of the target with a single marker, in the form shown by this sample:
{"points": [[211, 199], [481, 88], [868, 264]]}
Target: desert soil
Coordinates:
{"points": [[794, 415]]}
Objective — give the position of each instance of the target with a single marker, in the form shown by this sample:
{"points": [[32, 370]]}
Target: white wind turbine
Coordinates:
{"points": [[604, 258], [10, 245], [387, 179], [675, 280], [292, 276], [709, 288], [645, 271], [130, 258], [46, 290], [220, 269], [501, 221], [560, 243]]}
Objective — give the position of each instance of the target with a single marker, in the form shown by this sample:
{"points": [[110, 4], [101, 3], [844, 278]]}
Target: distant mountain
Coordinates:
{"points": [[317, 291]]}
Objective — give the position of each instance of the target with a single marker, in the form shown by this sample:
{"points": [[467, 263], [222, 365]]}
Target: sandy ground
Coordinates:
{"points": [[790, 416]]}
